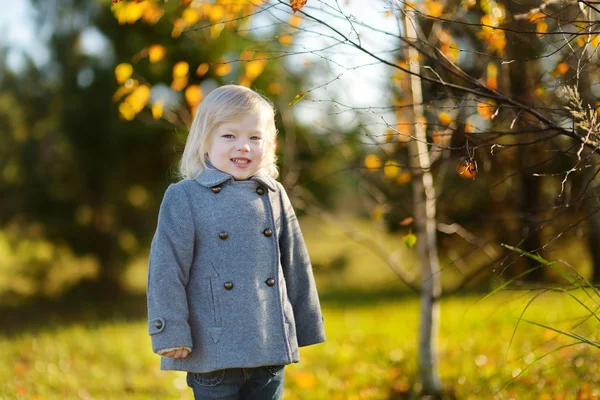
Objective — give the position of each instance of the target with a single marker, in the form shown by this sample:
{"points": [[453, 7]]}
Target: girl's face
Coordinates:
{"points": [[237, 146]]}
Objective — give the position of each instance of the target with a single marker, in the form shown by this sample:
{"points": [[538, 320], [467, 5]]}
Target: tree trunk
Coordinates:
{"points": [[425, 226]]}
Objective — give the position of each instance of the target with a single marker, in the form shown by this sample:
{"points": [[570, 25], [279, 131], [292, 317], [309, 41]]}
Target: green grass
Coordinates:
{"points": [[99, 349], [370, 354]]}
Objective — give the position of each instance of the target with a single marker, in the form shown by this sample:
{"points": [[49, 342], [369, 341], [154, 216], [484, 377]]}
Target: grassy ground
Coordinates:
{"points": [[370, 354], [101, 350]]}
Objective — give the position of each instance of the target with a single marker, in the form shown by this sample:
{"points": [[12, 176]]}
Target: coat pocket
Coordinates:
{"points": [[211, 279]]}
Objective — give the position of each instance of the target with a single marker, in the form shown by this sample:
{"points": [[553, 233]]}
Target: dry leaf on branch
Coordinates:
{"points": [[297, 4]]}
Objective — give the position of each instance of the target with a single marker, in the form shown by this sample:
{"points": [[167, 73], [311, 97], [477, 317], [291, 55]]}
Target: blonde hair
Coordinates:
{"points": [[222, 105]]}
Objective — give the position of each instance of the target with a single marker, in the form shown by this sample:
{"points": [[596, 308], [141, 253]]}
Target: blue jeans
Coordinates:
{"points": [[262, 383]]}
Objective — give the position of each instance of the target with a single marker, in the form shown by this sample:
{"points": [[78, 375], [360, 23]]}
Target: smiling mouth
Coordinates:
{"points": [[241, 161]]}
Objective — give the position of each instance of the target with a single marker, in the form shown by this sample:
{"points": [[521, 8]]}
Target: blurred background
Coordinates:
{"points": [[480, 193]]}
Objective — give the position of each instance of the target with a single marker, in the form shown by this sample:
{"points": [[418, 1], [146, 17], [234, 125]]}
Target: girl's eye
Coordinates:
{"points": [[228, 136], [256, 138]]}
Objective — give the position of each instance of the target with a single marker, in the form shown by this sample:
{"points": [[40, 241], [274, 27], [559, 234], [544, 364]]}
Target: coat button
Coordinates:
{"points": [[216, 189], [270, 282], [223, 235], [268, 232], [260, 190], [158, 324], [228, 285]]}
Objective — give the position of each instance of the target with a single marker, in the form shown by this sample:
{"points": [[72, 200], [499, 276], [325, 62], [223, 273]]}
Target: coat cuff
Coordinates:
{"points": [[311, 334], [169, 333]]}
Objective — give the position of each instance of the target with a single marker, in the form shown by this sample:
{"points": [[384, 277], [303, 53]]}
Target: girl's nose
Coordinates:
{"points": [[243, 147]]}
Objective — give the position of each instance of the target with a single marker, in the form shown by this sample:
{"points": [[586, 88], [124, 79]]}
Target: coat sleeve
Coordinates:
{"points": [[299, 279], [171, 256]]}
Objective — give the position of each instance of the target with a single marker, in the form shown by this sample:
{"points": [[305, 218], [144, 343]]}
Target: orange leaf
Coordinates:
{"points": [[486, 110], [404, 178], [407, 221], [562, 68], [467, 168], [297, 4], [445, 118], [202, 69], [296, 99]]}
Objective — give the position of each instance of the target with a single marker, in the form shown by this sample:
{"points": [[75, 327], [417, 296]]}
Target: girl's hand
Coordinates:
{"points": [[179, 353]]}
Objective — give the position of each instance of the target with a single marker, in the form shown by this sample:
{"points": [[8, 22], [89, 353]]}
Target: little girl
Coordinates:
{"points": [[231, 295]]}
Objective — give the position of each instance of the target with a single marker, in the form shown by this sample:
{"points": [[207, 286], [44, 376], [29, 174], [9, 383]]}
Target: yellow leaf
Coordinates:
{"points": [[179, 83], [486, 110], [190, 16], [156, 52], [123, 72], [157, 109], [297, 4], [391, 169], [445, 118], [244, 81], [152, 14], [128, 13], [255, 68], [123, 90], [139, 98], [434, 8], [372, 162], [126, 112], [180, 69], [178, 26], [286, 39], [193, 95], [409, 240], [222, 69], [215, 30], [295, 20], [296, 99], [202, 69], [216, 13]]}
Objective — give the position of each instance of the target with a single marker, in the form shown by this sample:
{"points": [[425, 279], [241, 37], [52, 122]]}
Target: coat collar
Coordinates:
{"points": [[212, 177]]}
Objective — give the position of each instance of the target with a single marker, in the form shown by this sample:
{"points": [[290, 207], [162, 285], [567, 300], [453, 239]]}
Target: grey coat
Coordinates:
{"points": [[229, 276]]}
